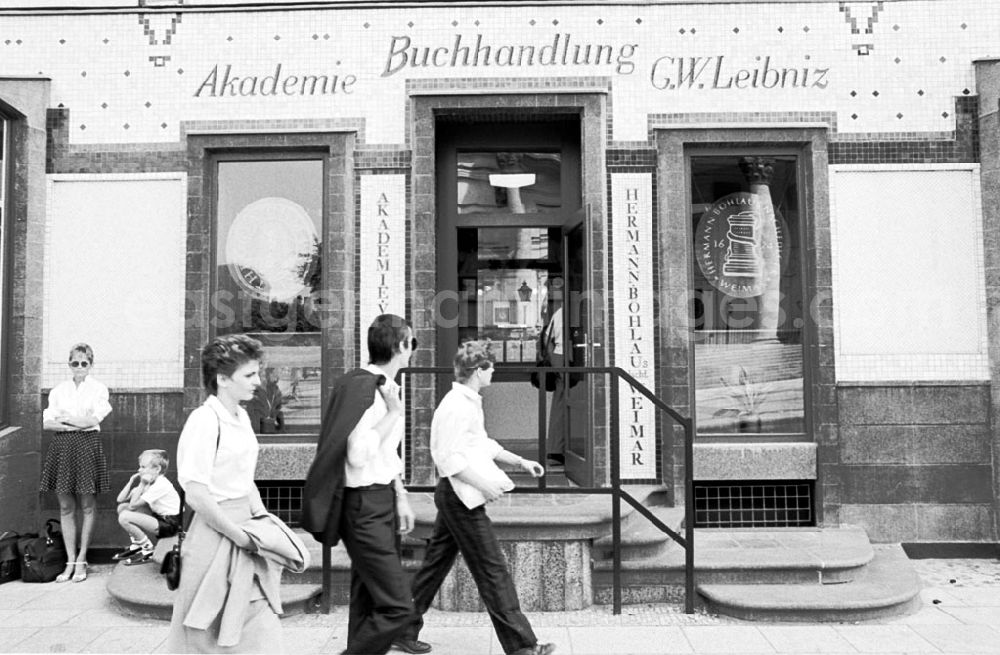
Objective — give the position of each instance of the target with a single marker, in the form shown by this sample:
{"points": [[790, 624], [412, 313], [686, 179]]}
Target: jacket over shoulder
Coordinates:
{"points": [[352, 395]]}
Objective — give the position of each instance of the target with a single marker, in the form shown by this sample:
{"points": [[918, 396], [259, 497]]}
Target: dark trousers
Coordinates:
{"points": [[555, 443], [381, 607], [469, 531]]}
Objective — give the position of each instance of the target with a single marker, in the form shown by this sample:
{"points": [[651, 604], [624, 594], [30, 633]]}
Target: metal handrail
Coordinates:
{"points": [[616, 492]]}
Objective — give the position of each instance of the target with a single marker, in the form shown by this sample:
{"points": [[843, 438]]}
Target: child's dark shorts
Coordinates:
{"points": [[167, 526]]}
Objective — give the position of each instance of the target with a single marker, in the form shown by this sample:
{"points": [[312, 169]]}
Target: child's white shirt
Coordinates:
{"points": [[162, 498]]}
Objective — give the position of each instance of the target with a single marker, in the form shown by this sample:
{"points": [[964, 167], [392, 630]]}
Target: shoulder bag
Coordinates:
{"points": [[171, 566]]}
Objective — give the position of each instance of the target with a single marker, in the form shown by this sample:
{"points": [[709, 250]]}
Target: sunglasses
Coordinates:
{"points": [[482, 366], [413, 343], [79, 364]]}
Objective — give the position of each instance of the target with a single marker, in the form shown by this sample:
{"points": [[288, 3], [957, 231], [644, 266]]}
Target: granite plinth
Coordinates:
{"points": [[759, 461]]}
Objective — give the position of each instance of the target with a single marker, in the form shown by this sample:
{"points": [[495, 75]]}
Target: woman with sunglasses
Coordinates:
{"points": [[466, 459], [75, 466]]}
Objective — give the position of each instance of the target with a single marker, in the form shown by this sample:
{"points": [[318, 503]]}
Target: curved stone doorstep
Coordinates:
{"points": [[141, 591]]}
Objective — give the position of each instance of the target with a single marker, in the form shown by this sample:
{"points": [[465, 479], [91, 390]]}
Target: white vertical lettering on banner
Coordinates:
{"points": [[632, 261], [382, 283]]}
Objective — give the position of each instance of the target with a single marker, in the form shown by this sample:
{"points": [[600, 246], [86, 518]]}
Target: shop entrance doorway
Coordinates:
{"points": [[511, 254]]}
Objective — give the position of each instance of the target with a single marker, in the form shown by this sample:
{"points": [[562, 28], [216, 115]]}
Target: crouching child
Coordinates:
{"points": [[148, 507]]}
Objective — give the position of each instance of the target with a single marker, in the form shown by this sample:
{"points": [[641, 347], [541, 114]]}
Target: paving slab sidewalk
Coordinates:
{"points": [[961, 614]]}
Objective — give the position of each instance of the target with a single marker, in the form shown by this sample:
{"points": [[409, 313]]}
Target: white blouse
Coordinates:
{"points": [[90, 398], [229, 472]]}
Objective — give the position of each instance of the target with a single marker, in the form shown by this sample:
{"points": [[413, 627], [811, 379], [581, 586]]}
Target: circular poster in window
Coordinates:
{"points": [[271, 249], [734, 247]]}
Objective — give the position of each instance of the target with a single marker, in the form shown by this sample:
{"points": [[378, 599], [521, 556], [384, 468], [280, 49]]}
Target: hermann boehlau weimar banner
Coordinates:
{"points": [[632, 261]]}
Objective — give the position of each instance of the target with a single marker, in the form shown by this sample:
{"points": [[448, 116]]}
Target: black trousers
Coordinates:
{"points": [[470, 531], [381, 607]]}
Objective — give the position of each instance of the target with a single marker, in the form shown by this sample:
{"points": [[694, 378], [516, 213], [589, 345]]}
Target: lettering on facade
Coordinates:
{"points": [[634, 347], [382, 252], [476, 52], [638, 362], [382, 259], [716, 72], [222, 82]]}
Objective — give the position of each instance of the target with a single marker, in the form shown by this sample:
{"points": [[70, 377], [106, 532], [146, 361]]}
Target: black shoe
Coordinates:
{"points": [[127, 553], [537, 649], [556, 460], [411, 645], [141, 557]]}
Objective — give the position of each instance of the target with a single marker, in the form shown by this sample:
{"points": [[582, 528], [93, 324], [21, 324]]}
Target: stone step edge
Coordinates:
{"points": [[127, 585], [640, 531], [593, 511], [845, 547], [889, 587], [674, 559]]}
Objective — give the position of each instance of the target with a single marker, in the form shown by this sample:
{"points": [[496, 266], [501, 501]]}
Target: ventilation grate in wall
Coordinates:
{"points": [[772, 504], [283, 498]]}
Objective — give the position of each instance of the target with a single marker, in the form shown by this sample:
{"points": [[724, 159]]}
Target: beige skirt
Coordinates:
{"points": [[262, 628]]}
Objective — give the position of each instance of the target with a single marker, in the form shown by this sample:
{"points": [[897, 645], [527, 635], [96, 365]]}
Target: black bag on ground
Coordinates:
{"points": [[42, 557], [10, 558]]}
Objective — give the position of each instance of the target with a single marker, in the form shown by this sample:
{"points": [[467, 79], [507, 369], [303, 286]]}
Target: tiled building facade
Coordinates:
{"points": [[150, 146]]}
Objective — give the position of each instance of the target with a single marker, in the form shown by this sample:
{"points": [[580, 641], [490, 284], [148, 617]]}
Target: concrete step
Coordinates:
{"points": [[789, 556], [887, 586], [640, 539], [141, 591]]}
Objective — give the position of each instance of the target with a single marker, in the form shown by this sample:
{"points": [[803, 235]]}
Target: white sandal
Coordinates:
{"points": [[81, 572], [67, 574]]}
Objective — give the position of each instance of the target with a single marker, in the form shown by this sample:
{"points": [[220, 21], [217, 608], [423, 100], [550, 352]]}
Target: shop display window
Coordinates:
{"points": [[268, 254], [748, 305], [509, 280], [509, 182]]}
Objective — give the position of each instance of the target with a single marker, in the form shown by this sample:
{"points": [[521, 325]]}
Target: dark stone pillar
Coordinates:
{"points": [[988, 89], [23, 102]]}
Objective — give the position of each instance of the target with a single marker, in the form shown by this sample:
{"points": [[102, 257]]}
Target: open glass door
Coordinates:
{"points": [[508, 196], [576, 393]]}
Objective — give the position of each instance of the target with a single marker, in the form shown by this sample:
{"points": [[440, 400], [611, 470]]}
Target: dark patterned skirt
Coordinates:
{"points": [[75, 464]]}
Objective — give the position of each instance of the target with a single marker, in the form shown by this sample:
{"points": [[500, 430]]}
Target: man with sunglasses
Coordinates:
{"points": [[354, 490], [466, 459]]}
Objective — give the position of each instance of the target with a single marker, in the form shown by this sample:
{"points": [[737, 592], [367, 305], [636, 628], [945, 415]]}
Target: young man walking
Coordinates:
{"points": [[466, 458], [354, 491]]}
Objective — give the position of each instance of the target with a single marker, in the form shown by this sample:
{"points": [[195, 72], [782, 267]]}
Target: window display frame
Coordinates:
{"points": [[675, 365], [745, 402]]}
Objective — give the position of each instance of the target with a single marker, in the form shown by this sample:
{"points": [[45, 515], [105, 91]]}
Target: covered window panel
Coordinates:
{"points": [[268, 255], [747, 295]]}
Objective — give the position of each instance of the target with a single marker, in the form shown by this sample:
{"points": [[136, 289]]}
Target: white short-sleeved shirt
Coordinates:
{"points": [[89, 398], [229, 472], [162, 498], [459, 442], [369, 459]]}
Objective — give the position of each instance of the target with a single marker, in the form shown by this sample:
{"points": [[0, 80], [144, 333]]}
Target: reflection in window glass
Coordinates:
{"points": [[268, 275], [509, 279], [747, 295], [509, 182]]}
